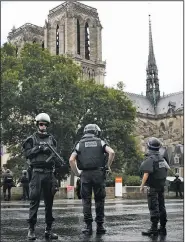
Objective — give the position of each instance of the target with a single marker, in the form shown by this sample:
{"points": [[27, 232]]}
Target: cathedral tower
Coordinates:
{"points": [[72, 29], [75, 29], [152, 81]]}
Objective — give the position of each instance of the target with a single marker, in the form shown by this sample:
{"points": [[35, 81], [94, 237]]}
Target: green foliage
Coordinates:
{"points": [[16, 165], [133, 181], [134, 158], [126, 179], [39, 82], [171, 172]]}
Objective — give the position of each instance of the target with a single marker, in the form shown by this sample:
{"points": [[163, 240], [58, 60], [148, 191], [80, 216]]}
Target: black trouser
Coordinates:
{"points": [[5, 187], [93, 180], [41, 181], [25, 189], [156, 205]]}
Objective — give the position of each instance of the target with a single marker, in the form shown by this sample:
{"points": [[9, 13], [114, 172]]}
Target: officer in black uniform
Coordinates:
{"points": [[155, 169], [8, 183], [177, 182], [41, 174], [89, 154], [25, 185]]}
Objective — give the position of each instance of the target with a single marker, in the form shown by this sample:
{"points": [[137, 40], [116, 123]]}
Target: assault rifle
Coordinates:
{"points": [[54, 153]]}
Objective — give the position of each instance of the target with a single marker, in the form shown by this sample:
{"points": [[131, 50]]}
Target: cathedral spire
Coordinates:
{"points": [[152, 81], [151, 56]]}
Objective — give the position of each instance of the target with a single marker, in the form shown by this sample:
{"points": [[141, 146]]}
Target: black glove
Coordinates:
{"points": [[41, 147], [46, 150]]}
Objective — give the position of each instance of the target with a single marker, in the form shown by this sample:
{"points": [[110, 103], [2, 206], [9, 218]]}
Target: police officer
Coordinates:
{"points": [[178, 183], [155, 169], [42, 174], [89, 154], [8, 183], [25, 185]]}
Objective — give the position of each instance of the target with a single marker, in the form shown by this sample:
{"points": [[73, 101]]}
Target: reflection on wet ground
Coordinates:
{"points": [[124, 222]]}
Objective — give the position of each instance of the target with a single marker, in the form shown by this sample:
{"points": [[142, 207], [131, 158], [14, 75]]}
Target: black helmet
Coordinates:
{"points": [[92, 129], [153, 143]]}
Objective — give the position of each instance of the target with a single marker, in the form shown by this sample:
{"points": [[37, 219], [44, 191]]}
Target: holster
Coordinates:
{"points": [[29, 170], [105, 171]]}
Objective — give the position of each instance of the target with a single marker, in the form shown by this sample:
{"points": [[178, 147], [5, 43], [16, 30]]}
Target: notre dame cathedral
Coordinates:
{"points": [[74, 29]]}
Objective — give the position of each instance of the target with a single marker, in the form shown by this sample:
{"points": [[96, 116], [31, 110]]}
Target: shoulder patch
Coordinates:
{"points": [[162, 164]]}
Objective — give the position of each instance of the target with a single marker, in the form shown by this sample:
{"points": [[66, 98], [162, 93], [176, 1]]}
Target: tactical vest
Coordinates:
{"points": [[8, 179], [40, 159], [90, 154], [157, 178]]}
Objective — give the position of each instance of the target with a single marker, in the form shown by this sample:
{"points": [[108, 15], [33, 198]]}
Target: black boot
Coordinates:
{"points": [[5, 199], [152, 231], [162, 230], [49, 234], [87, 229], [100, 229], [31, 233]]}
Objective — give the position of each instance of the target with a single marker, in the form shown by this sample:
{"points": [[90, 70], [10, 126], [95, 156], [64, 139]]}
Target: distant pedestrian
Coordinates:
{"points": [[25, 185], [178, 183], [8, 183]]}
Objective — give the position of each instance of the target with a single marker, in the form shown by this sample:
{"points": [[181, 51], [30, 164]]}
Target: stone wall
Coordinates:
{"points": [[168, 129], [129, 192]]}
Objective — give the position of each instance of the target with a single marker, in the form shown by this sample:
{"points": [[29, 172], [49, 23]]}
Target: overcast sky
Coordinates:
{"points": [[125, 37]]}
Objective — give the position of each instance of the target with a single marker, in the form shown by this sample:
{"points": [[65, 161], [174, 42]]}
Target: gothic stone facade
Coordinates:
{"points": [[72, 29]]}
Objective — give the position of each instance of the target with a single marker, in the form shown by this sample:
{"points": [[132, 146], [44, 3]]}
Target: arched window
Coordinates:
{"points": [[162, 127], [87, 42], [57, 40], [171, 127], [16, 51], [93, 74], [78, 37], [42, 45], [150, 131]]}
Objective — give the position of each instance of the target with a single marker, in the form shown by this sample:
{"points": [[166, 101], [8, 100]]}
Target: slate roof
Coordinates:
{"points": [[176, 98], [144, 106], [141, 103]]}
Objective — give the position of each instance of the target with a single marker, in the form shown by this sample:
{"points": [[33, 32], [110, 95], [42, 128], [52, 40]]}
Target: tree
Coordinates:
{"points": [[114, 113], [48, 84], [41, 82]]}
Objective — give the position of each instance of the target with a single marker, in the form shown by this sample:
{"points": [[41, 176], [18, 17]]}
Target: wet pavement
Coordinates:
{"points": [[125, 219]]}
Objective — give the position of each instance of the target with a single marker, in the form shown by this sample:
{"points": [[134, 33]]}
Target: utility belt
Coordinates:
{"points": [[93, 169], [42, 170]]}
